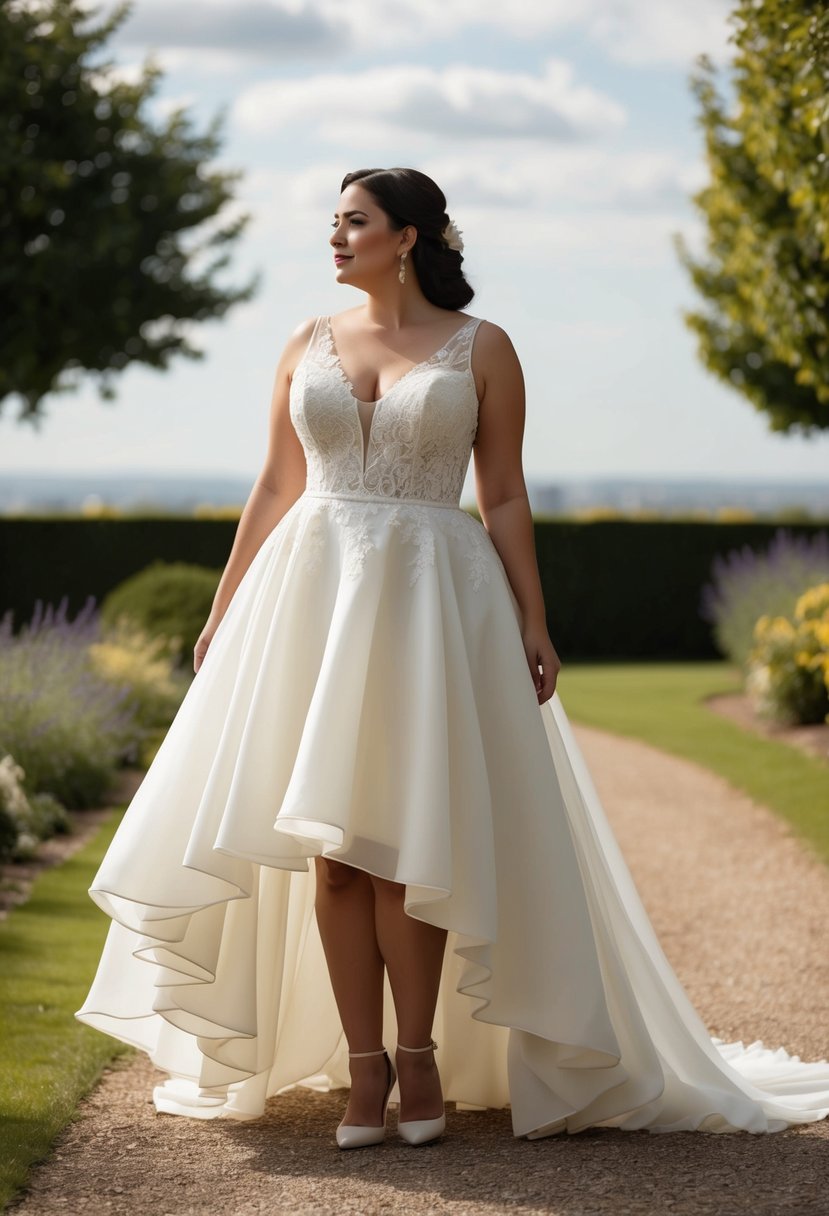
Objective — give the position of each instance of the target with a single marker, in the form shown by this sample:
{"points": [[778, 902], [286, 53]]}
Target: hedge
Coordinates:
{"points": [[625, 589]]}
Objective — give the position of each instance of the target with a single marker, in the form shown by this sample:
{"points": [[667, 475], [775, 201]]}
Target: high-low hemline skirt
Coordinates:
{"points": [[367, 698]]}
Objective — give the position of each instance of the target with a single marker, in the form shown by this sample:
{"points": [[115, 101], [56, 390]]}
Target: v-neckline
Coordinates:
{"points": [[415, 366]]}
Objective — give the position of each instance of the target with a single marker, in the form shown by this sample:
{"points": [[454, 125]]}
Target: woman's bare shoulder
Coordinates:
{"points": [[492, 334], [492, 343], [302, 334], [297, 344]]}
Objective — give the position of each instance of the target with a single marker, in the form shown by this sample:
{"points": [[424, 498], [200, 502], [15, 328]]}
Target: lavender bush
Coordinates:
{"points": [[66, 725], [747, 584]]}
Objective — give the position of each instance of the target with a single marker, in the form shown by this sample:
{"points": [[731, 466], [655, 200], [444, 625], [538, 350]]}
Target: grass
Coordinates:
{"points": [[662, 704], [49, 949]]}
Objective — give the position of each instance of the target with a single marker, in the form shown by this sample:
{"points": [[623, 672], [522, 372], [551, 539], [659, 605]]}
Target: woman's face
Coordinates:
{"points": [[366, 248]]}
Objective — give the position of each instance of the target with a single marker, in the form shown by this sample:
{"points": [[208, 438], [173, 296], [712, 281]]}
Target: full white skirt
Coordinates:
{"points": [[383, 714]]}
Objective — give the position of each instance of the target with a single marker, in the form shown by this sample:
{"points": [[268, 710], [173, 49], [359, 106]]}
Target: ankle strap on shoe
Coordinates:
{"points": [[431, 1047], [356, 1054]]}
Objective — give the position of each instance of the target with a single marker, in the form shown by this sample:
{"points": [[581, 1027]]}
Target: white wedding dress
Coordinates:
{"points": [[367, 697]]}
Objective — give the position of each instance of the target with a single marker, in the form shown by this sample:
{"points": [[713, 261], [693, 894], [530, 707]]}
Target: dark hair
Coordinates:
{"points": [[410, 197]]}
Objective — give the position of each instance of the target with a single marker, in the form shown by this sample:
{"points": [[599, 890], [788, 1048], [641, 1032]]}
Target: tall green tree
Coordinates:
{"points": [[764, 276], [111, 241]]}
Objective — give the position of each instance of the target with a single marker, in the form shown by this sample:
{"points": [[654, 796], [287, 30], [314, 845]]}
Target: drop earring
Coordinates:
{"points": [[402, 272]]}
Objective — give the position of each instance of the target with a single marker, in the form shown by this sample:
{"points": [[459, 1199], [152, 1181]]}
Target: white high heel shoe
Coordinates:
{"points": [[420, 1131], [352, 1135]]}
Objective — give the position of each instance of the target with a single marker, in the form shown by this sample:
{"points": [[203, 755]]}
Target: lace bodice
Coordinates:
{"points": [[414, 442]]}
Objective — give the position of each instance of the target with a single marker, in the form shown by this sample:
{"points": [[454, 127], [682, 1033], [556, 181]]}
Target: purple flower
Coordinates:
{"points": [[746, 584], [64, 723]]}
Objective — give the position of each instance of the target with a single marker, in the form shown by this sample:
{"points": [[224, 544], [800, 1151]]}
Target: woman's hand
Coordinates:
{"points": [[541, 654], [205, 638]]}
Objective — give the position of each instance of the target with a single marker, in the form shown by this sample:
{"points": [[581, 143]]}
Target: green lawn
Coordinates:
{"points": [[49, 949], [662, 704]]}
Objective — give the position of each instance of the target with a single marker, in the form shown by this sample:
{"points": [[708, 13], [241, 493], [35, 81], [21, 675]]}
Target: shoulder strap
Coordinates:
{"points": [[457, 353], [314, 341]]}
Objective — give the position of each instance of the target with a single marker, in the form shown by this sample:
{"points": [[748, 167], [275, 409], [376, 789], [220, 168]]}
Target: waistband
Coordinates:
{"points": [[390, 499]]}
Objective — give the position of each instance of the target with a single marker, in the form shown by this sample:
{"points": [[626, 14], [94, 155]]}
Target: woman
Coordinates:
{"points": [[362, 699]]}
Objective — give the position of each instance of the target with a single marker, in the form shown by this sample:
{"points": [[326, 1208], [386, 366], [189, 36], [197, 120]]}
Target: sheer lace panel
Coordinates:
{"points": [[418, 439]]}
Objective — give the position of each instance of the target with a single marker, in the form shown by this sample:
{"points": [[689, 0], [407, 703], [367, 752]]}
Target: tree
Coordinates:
{"points": [[765, 273], [110, 242]]}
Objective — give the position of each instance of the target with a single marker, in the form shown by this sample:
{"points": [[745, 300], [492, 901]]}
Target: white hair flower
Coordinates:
{"points": [[451, 234]]}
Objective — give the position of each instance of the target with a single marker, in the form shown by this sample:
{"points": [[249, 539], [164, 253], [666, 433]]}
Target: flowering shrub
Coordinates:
{"points": [[747, 584], [146, 666], [67, 726], [788, 670], [166, 599], [14, 806], [25, 821]]}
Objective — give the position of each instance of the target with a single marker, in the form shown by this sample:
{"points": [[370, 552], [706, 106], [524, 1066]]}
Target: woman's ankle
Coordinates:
{"points": [[421, 1092]]}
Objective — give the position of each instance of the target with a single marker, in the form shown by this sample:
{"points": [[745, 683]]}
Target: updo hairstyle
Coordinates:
{"points": [[410, 197]]}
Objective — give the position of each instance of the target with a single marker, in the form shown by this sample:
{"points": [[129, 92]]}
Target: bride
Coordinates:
{"points": [[364, 805]]}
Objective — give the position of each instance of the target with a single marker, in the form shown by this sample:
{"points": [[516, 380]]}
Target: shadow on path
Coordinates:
{"points": [[121, 1158]]}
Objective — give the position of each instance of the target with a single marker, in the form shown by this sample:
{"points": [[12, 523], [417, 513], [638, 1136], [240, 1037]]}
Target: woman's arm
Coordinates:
{"points": [[279, 484], [502, 493]]}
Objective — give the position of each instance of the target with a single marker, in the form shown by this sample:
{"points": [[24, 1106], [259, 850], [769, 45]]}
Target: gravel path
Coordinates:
{"points": [[741, 909]]}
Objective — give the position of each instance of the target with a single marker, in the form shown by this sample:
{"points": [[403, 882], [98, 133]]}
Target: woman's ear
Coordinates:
{"points": [[410, 234]]}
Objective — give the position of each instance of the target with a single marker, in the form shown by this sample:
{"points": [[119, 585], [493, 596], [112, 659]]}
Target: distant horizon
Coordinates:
{"points": [[128, 490], [160, 473]]}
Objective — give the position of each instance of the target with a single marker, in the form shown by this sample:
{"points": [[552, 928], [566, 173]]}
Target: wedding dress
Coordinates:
{"points": [[366, 696]]}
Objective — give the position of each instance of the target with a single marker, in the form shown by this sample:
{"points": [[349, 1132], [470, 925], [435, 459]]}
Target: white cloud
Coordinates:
{"points": [[457, 101], [206, 63], [632, 31], [559, 179], [568, 177], [641, 32], [241, 26], [546, 243], [378, 23], [638, 32]]}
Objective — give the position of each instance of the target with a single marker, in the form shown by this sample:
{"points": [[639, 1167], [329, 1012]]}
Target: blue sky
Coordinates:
{"points": [[564, 138]]}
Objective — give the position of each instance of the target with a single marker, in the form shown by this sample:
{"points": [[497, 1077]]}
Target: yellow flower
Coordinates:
{"points": [[777, 628], [813, 603], [822, 633], [788, 665], [130, 656]]}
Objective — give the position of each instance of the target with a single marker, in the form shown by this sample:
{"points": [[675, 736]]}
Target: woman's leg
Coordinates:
{"points": [[413, 952], [344, 906]]}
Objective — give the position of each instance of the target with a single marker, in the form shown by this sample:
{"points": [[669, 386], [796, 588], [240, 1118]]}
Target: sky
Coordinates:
{"points": [[566, 141]]}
